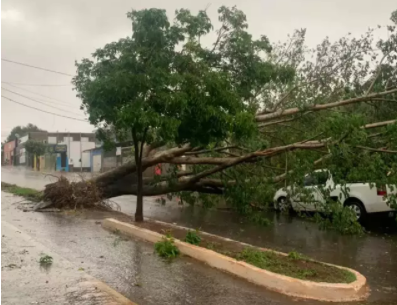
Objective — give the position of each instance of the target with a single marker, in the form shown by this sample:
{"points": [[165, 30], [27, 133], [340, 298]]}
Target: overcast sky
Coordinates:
{"points": [[54, 33]]}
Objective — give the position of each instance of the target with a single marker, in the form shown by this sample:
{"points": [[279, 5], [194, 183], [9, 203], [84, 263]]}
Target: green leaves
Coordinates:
{"points": [[193, 237], [21, 131], [35, 147], [162, 79], [166, 248]]}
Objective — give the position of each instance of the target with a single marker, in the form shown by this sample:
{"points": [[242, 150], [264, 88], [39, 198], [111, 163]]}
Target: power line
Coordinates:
{"points": [[30, 66], [30, 91], [63, 116], [39, 85], [41, 102]]}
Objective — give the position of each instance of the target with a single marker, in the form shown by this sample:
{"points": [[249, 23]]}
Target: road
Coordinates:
{"points": [[26, 281], [130, 266]]}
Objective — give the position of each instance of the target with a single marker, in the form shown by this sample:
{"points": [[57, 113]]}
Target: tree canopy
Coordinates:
{"points": [[246, 115], [162, 85], [35, 147], [22, 131]]}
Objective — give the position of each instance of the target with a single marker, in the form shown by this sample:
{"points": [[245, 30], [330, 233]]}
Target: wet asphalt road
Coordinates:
{"points": [[131, 268], [26, 281]]}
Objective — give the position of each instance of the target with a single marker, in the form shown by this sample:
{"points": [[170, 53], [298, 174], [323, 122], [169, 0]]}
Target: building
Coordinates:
{"points": [[103, 160], [75, 143], [64, 151], [9, 152]]}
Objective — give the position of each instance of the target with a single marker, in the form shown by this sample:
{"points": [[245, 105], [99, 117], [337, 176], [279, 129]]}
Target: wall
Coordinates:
{"points": [[9, 152], [95, 152], [52, 140], [22, 156], [40, 136], [86, 160], [50, 162], [109, 163], [75, 153]]}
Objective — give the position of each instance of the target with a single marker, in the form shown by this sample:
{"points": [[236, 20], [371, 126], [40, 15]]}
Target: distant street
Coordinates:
{"points": [[131, 267]]}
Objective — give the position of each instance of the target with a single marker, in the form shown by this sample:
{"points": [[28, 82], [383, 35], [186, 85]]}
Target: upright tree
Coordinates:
{"points": [[22, 131], [162, 85]]}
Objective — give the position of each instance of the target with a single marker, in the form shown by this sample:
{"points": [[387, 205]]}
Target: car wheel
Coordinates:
{"points": [[358, 209], [283, 204]]}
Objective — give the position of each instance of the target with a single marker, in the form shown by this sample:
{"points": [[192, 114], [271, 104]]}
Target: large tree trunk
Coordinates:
{"points": [[138, 151]]}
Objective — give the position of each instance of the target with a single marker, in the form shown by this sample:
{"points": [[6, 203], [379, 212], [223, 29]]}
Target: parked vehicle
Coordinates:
{"points": [[360, 197]]}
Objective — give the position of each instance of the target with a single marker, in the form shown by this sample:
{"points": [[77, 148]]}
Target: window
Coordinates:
{"points": [[317, 178]]}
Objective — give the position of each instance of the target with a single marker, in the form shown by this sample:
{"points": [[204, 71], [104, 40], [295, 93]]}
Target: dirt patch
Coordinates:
{"points": [[294, 264]]}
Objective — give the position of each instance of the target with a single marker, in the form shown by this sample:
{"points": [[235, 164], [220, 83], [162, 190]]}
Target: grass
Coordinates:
{"points": [[45, 260], [28, 193], [295, 265], [166, 248], [296, 255]]}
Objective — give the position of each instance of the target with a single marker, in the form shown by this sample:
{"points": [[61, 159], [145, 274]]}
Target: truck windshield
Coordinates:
{"points": [[317, 178]]}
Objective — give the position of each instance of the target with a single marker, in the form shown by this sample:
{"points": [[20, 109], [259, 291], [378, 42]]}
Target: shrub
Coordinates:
{"points": [[192, 237], [295, 255], [45, 260], [166, 248]]}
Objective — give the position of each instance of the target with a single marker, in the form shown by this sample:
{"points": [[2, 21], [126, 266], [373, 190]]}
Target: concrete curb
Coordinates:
{"points": [[287, 285]]}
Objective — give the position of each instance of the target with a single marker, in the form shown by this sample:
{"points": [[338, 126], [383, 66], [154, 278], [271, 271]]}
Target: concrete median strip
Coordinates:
{"points": [[322, 291]]}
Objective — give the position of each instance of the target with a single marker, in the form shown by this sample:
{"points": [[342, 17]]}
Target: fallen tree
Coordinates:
{"points": [[244, 116]]}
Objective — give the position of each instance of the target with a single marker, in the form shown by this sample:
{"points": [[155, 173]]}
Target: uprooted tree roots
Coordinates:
{"points": [[64, 194]]}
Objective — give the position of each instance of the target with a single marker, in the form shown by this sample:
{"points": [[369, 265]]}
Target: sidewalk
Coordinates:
{"points": [[24, 281]]}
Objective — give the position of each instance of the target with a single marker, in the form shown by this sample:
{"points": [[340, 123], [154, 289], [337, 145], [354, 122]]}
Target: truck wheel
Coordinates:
{"points": [[283, 204], [358, 209]]}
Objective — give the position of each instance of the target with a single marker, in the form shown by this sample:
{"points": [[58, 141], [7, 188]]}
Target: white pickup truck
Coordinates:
{"points": [[361, 198]]}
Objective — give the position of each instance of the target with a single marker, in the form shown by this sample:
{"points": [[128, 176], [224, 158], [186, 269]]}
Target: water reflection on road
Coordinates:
{"points": [[374, 255]]}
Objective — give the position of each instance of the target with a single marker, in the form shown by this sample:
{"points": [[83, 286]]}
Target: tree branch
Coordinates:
{"points": [[378, 124], [377, 149], [209, 150], [378, 72], [313, 108]]}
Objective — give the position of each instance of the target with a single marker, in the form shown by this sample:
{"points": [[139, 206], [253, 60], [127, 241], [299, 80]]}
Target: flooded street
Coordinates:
{"points": [[131, 268]]}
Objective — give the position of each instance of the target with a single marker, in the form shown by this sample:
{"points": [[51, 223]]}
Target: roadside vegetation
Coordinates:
{"points": [[294, 264], [28, 193], [193, 237], [166, 248]]}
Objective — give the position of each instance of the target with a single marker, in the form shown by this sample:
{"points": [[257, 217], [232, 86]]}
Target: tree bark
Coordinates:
{"points": [[285, 112], [138, 161]]}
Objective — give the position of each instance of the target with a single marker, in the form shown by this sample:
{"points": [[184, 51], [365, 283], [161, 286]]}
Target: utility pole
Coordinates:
{"points": [[81, 156], [69, 150]]}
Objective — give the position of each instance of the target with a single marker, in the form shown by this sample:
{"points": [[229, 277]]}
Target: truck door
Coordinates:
{"points": [[312, 199]]}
